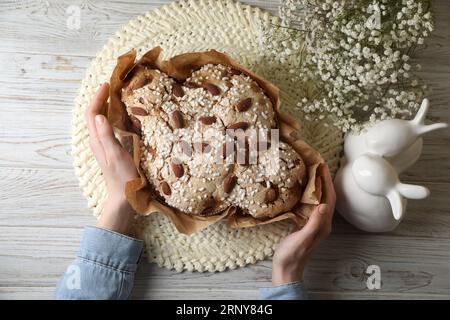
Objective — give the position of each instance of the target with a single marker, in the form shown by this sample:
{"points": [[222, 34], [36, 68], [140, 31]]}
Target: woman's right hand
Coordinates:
{"points": [[293, 252]]}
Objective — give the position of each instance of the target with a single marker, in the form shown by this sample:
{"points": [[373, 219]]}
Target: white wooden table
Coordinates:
{"points": [[42, 211]]}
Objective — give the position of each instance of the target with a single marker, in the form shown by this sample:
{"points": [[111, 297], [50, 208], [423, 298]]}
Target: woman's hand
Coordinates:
{"points": [[293, 251], [116, 163]]}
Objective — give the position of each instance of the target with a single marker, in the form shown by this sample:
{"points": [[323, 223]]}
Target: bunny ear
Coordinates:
{"points": [[432, 127], [412, 191], [421, 114], [419, 120], [397, 204]]}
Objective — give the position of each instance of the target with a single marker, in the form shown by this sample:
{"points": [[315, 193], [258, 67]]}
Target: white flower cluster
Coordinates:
{"points": [[352, 56]]}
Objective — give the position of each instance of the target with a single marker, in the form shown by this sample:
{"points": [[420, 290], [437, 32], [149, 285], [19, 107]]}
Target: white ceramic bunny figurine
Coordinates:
{"points": [[369, 193]]}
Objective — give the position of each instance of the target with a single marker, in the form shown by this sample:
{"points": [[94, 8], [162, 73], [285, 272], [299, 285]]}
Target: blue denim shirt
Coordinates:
{"points": [[106, 265]]}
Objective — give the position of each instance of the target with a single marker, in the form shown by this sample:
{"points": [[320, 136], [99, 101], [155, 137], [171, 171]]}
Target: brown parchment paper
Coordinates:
{"points": [[140, 193]]}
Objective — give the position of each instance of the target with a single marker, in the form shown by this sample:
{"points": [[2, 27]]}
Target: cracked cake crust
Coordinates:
{"points": [[190, 158]]}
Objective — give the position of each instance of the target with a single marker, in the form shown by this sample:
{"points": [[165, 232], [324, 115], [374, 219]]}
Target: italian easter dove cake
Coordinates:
{"points": [[208, 142]]}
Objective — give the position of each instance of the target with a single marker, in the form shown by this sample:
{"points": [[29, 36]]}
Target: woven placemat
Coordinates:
{"points": [[189, 26]]}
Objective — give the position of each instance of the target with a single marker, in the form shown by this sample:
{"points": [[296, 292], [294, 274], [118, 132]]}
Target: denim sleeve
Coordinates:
{"points": [[288, 291], [104, 268]]}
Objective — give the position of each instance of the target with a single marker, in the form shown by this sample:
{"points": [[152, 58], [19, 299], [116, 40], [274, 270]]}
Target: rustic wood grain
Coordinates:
{"points": [[42, 210], [42, 88], [41, 26], [44, 197], [42, 293], [36, 257]]}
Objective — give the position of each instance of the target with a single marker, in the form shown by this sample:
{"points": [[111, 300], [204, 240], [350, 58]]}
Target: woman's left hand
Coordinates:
{"points": [[115, 162]]}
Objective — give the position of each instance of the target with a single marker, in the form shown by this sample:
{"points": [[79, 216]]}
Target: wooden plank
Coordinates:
{"points": [[41, 293], [44, 293], [433, 165], [41, 26], [375, 295], [211, 294], [40, 232], [36, 98], [36, 139], [34, 257], [44, 197], [50, 148]]}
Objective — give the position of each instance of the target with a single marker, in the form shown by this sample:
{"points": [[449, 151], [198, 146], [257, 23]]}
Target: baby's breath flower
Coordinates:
{"points": [[354, 56]]}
